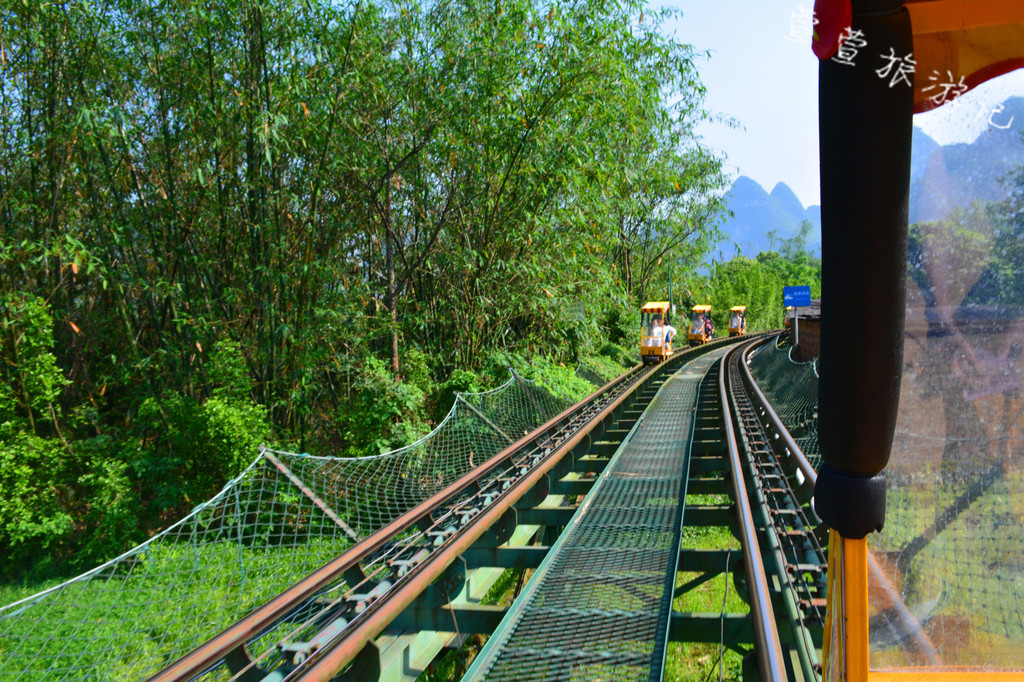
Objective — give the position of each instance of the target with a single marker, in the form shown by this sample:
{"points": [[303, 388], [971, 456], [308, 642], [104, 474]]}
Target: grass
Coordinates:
{"points": [[130, 620], [452, 664], [694, 662], [964, 585]]}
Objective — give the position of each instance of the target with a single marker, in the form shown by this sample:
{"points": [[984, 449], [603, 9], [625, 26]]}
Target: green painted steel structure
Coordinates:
{"points": [[600, 605]]}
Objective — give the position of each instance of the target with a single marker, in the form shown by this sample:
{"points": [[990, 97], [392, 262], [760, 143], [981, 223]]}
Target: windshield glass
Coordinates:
{"points": [[651, 329], [736, 320], [696, 323], [952, 544]]}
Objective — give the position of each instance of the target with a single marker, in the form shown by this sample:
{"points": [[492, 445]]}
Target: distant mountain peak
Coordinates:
{"points": [[744, 183], [782, 190], [941, 178], [946, 176], [788, 199], [758, 214]]}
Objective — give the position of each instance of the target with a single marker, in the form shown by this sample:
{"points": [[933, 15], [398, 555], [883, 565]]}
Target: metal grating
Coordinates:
{"points": [[598, 607]]}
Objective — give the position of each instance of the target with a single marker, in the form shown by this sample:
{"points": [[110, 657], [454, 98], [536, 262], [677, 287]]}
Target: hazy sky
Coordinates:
{"points": [[768, 82], [763, 79]]}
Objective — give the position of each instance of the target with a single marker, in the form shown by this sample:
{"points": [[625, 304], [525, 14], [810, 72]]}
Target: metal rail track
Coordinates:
{"points": [[770, 659], [599, 606], [328, 660], [894, 609], [328, 623], [773, 650], [779, 482], [333, 613]]}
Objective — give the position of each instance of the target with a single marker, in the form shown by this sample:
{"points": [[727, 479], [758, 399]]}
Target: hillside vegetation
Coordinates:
{"points": [[304, 222]]}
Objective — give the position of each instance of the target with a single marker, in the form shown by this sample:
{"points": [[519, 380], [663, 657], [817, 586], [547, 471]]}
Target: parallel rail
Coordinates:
{"points": [[328, 622], [322, 621], [326, 662], [780, 482], [770, 661]]}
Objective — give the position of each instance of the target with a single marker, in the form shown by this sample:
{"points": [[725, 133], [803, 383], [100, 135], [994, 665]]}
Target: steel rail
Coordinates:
{"points": [[330, 658], [910, 622], [801, 460], [236, 636], [770, 662], [333, 656], [764, 461]]}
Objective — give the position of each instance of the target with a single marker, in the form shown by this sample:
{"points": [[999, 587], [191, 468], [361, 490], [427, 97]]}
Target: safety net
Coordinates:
{"points": [[791, 387], [284, 516]]}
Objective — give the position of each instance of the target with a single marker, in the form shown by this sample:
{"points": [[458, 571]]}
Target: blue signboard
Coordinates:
{"points": [[796, 296]]}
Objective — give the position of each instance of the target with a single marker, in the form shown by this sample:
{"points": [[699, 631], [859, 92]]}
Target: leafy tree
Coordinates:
{"points": [[233, 221], [796, 246]]}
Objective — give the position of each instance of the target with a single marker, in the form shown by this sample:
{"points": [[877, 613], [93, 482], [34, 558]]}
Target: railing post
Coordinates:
{"points": [[865, 109]]}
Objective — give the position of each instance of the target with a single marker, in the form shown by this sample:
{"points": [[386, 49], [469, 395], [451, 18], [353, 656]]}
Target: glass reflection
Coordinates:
{"points": [[953, 546]]}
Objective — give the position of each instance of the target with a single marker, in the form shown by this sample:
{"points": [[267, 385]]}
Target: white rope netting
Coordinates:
{"points": [[283, 517]]}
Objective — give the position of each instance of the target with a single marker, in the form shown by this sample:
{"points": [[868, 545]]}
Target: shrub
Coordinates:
{"points": [[30, 381], [33, 477], [626, 358], [383, 414], [186, 450], [443, 397]]}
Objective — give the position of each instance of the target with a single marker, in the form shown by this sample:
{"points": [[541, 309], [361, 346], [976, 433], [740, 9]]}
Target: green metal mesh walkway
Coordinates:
{"points": [[599, 605]]}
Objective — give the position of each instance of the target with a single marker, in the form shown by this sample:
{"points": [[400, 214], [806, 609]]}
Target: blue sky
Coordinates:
{"points": [[768, 82], [763, 79]]}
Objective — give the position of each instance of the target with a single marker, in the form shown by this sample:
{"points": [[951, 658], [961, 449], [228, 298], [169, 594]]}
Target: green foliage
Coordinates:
{"points": [[30, 381], [443, 397], [605, 367], [795, 247], [293, 219], [757, 283], [33, 471], [620, 355], [227, 372], [110, 517], [621, 325], [63, 506], [743, 281], [383, 414], [416, 369], [974, 256], [559, 380], [187, 449]]}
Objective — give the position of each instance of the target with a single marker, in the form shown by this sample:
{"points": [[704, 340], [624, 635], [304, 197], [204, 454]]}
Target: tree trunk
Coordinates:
{"points": [[390, 301]]}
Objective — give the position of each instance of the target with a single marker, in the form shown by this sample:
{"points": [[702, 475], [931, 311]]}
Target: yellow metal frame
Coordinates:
{"points": [[736, 331], [706, 309], [660, 351], [923, 676], [845, 652], [845, 645]]}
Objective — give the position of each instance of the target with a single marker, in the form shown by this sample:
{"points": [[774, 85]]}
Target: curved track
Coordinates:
{"points": [[407, 577]]}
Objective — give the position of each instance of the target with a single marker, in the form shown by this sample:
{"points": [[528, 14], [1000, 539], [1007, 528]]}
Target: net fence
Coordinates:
{"points": [[791, 388], [953, 545], [283, 517], [947, 595], [953, 541]]}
